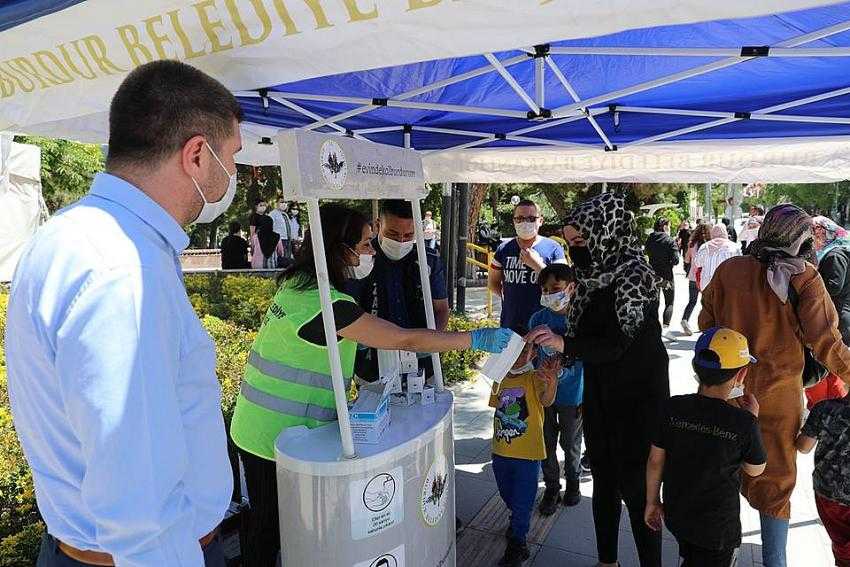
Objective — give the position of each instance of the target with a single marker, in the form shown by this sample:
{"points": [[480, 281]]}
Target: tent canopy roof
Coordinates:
{"points": [[469, 79]]}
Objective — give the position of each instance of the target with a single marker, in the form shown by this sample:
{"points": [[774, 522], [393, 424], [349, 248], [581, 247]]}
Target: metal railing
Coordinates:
{"points": [[470, 247]]}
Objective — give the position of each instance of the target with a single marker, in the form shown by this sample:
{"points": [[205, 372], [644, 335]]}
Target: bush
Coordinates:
{"points": [[232, 346], [458, 365], [240, 299], [20, 524]]}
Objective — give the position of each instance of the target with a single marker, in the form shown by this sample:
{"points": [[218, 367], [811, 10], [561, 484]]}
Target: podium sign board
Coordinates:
{"points": [[326, 166]]}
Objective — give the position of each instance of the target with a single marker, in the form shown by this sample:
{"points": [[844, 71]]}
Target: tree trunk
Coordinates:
{"points": [[555, 194], [477, 194]]}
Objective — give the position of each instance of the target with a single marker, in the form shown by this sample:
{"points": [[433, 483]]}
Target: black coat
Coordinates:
{"points": [[834, 268], [663, 254], [625, 382]]}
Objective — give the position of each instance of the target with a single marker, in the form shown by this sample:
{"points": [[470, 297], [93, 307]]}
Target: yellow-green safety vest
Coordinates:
{"points": [[287, 380]]}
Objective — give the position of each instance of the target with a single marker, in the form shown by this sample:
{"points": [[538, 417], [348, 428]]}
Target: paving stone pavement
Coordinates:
{"points": [[570, 541]]}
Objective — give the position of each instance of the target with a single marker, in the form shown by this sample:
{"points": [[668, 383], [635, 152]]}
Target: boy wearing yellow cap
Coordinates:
{"points": [[702, 444]]}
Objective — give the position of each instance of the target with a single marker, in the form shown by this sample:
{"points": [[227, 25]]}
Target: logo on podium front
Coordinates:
{"points": [[334, 166]]}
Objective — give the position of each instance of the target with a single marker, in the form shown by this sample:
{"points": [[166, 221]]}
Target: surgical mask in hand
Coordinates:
{"points": [[211, 211], [394, 249], [555, 301], [363, 269], [526, 230], [527, 367], [580, 255]]}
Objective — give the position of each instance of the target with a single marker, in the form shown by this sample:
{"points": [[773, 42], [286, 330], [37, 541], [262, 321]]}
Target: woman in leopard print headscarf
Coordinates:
{"points": [[613, 328]]}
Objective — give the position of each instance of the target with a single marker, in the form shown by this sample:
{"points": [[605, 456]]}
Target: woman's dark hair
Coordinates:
{"points": [[700, 235], [561, 273], [234, 227], [342, 229]]}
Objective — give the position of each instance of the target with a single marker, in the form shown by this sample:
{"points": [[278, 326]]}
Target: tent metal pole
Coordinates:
{"points": [[701, 51], [421, 90], [457, 108], [540, 81], [675, 112], [558, 122], [574, 94], [760, 115], [378, 130], [309, 113], [509, 79], [323, 280], [762, 112], [708, 202], [700, 70], [426, 287]]}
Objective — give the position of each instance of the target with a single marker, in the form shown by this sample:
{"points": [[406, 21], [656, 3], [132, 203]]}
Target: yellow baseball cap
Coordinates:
{"points": [[729, 347]]}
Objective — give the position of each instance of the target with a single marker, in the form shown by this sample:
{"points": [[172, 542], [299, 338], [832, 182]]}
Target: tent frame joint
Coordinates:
{"points": [[544, 114], [755, 51], [743, 115], [611, 148], [380, 101], [540, 51]]}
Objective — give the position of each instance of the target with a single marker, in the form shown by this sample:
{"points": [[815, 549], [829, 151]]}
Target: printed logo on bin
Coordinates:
{"points": [[333, 164], [435, 495], [387, 560], [379, 492]]}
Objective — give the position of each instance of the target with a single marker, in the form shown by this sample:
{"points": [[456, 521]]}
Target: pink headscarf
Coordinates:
{"points": [[719, 231]]}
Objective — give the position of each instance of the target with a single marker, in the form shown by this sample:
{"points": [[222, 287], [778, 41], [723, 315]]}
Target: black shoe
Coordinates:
{"points": [[549, 502], [572, 495], [515, 554], [458, 525], [585, 464]]}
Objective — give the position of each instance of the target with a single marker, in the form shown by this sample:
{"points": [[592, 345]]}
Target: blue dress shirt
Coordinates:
{"points": [[112, 383]]}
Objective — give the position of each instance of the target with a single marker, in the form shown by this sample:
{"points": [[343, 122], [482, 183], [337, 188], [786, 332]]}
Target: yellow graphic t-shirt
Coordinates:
{"points": [[518, 423]]}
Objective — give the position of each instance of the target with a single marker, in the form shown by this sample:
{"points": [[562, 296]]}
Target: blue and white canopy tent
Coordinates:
{"points": [[488, 91]]}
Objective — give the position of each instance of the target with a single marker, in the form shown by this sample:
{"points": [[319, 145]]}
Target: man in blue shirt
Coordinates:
{"points": [[393, 291], [513, 272], [111, 375]]}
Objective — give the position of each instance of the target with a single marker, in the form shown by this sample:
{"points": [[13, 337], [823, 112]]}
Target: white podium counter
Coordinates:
{"points": [[392, 506]]}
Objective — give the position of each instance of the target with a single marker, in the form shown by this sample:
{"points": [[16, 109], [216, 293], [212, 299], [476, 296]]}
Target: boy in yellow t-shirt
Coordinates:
{"points": [[518, 444]]}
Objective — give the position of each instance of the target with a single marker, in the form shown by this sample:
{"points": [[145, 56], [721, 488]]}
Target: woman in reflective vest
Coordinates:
{"points": [[288, 379]]}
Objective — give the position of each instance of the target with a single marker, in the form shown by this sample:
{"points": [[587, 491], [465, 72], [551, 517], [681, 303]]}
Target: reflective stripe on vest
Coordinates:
{"points": [[287, 407], [289, 374]]}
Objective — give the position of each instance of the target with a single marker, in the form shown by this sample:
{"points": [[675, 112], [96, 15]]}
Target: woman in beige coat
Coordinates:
{"points": [[751, 295]]}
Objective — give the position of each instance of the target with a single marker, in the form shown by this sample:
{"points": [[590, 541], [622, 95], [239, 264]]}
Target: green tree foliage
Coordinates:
{"points": [[67, 169]]}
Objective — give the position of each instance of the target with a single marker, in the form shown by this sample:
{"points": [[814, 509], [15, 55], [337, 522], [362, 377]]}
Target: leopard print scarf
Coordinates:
{"points": [[617, 259]]}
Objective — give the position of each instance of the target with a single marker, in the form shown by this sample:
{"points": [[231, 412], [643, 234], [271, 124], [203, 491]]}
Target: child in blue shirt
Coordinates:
{"points": [[563, 419]]}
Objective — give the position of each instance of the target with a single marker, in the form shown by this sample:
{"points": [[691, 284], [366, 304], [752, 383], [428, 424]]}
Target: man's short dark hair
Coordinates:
{"points": [[661, 224], [526, 203], [234, 227], [561, 273], [725, 221], [759, 209], [398, 208], [160, 106], [712, 376]]}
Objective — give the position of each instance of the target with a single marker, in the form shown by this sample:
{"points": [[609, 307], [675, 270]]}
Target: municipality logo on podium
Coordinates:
{"points": [[334, 166]]}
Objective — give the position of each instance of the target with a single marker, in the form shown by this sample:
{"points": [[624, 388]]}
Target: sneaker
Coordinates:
{"points": [[515, 554], [686, 328], [572, 495], [549, 502]]}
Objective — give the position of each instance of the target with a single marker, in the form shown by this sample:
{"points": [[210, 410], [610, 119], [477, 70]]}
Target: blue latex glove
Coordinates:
{"points": [[491, 340]]}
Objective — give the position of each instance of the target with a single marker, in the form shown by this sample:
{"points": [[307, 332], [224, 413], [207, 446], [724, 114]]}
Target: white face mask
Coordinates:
{"points": [[394, 249], [281, 207], [555, 301], [737, 392], [527, 367], [363, 269], [526, 230], [211, 211]]}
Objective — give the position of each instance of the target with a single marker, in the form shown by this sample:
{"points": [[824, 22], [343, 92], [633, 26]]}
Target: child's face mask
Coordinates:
{"points": [[557, 301]]}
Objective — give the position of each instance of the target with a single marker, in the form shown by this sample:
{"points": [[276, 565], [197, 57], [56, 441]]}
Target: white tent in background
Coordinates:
{"points": [[22, 207]]}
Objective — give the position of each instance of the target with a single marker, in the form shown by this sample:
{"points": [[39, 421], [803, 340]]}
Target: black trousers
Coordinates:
{"points": [[260, 523], [562, 424], [695, 556], [693, 295], [614, 483], [669, 292]]}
